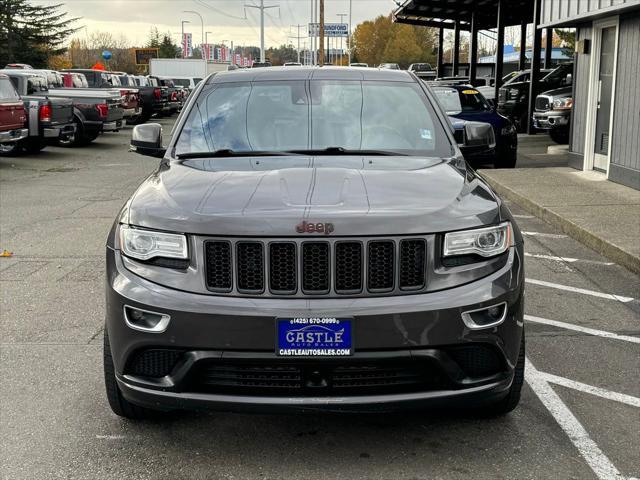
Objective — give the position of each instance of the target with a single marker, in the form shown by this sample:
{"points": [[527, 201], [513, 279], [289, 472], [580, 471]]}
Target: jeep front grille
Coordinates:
{"points": [[316, 267]]}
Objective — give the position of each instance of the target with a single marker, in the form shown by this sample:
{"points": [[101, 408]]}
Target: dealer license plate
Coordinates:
{"points": [[314, 337]]}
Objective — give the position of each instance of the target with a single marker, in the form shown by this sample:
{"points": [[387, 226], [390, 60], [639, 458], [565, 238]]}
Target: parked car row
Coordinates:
{"points": [[73, 107]]}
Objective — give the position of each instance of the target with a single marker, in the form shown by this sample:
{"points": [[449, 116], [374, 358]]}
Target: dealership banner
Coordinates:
{"points": [[330, 29], [187, 45]]}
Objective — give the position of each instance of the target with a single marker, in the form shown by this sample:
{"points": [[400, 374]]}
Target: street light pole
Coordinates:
{"points": [[201, 23], [341, 15], [349, 37]]}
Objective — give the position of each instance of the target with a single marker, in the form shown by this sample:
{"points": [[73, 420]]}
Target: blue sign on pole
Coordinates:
{"points": [[106, 54]]}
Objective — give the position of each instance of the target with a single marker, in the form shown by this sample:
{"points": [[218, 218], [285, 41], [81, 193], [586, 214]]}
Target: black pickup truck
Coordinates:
{"points": [[513, 100], [174, 93], [48, 119], [154, 98]]}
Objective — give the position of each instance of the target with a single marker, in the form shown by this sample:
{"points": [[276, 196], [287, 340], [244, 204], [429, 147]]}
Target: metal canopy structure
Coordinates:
{"points": [[445, 13], [476, 15]]}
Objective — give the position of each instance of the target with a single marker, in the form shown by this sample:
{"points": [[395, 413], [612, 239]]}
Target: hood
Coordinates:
{"points": [[496, 120], [269, 196], [559, 92]]}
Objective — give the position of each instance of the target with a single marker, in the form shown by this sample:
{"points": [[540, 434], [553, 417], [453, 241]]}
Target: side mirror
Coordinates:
{"points": [[568, 79], [146, 140], [478, 136]]}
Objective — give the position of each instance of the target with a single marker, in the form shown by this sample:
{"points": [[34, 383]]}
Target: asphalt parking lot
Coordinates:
{"points": [[579, 417]]}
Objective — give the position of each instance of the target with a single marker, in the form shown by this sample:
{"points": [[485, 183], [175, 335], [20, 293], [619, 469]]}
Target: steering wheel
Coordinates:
{"points": [[384, 137]]}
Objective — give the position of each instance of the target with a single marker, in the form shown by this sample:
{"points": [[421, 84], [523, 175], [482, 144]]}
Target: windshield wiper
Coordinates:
{"points": [[343, 151], [227, 152]]}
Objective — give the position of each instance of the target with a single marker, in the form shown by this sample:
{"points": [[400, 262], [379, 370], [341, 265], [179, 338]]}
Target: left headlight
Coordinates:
{"points": [[486, 242], [508, 130], [147, 244], [563, 103]]}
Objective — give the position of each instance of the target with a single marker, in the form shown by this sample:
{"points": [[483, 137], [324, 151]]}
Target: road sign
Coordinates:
{"points": [[330, 29], [144, 55]]}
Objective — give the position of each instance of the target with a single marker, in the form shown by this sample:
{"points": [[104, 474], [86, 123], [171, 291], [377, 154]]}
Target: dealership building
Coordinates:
{"points": [[605, 130]]}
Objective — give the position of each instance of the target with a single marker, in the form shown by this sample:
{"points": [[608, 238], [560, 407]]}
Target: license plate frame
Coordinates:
{"points": [[315, 337]]}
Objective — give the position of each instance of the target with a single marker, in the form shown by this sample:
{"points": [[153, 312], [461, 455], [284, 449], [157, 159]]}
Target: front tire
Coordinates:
{"points": [[120, 405], [33, 146], [10, 149]]}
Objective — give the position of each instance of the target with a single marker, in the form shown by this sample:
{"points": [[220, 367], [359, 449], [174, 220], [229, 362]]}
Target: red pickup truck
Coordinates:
{"points": [[13, 117]]}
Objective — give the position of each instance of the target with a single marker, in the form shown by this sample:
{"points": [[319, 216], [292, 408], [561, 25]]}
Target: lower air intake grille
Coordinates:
{"points": [[315, 379], [153, 363], [476, 360]]}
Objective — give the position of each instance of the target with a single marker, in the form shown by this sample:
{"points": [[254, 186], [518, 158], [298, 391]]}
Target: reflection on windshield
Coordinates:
{"points": [[316, 115], [456, 101]]}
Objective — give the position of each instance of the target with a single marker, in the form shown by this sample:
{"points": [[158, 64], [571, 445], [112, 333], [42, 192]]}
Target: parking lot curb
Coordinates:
{"points": [[602, 246]]}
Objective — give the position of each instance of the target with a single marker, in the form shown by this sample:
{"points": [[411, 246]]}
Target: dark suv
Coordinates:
{"points": [[313, 239]]}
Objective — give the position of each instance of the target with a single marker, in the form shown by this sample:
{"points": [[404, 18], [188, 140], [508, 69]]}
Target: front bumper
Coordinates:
{"points": [[551, 119], [413, 330], [14, 135]]}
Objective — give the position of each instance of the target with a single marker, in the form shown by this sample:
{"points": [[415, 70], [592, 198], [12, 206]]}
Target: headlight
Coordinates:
{"points": [[562, 103], [486, 242], [508, 130], [146, 244]]}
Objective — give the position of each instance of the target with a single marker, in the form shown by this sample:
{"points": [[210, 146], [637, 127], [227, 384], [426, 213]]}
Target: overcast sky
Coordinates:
{"points": [[223, 18]]}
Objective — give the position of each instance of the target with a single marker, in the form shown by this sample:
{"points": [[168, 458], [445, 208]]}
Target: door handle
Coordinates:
{"points": [[599, 93]]}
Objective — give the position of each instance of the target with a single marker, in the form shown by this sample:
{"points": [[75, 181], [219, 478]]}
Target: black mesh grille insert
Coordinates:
{"points": [[315, 267], [153, 363], [278, 378], [412, 264], [219, 269], [381, 266], [476, 360], [250, 267], [282, 269], [348, 267]]}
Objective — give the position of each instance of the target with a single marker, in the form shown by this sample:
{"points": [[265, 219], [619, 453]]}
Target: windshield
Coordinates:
{"points": [[7, 92], [456, 101], [559, 74], [315, 115], [183, 82]]}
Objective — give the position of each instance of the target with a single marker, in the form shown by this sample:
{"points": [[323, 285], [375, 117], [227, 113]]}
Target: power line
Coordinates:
{"points": [[262, 7]]}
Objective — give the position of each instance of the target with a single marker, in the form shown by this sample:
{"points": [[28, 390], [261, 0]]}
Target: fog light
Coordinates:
{"points": [[145, 320], [485, 317]]}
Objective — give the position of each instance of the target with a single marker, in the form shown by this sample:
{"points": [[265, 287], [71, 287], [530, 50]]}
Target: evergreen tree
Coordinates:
{"points": [[168, 49], [32, 33]]}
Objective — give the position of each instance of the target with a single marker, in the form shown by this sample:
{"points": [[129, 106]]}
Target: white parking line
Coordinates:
{"points": [[597, 391], [522, 216], [543, 235], [583, 291], [578, 328], [597, 460], [565, 259]]}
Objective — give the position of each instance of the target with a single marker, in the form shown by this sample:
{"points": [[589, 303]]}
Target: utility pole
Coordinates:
{"points": [[349, 37], [262, 7], [341, 15], [321, 33], [298, 38]]}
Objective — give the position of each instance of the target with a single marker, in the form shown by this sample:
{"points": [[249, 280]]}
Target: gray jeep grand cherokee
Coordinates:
{"points": [[313, 239]]}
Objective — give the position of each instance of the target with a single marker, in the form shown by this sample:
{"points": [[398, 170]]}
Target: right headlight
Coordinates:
{"points": [[486, 242], [148, 244], [564, 103]]}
